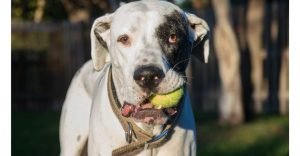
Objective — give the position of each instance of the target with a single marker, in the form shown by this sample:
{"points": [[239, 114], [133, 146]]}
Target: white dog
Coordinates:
{"points": [[141, 49]]}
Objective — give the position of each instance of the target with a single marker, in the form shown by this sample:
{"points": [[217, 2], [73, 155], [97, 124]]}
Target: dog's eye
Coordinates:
{"points": [[173, 38], [124, 39]]}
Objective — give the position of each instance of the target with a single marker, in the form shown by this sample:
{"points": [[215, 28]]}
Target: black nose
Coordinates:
{"points": [[148, 76]]}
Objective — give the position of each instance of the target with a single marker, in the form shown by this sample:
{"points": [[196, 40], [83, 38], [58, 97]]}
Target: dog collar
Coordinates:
{"points": [[138, 139]]}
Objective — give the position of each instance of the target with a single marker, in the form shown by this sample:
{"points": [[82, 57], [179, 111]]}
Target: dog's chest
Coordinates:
{"points": [[106, 133]]}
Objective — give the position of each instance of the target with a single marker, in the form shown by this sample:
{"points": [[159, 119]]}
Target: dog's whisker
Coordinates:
{"points": [[182, 61]]}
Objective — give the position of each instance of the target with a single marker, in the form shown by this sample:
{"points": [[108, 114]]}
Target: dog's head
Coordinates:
{"points": [[149, 44]]}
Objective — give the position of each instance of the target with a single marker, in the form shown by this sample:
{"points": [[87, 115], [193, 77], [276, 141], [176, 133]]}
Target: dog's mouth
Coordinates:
{"points": [[146, 113]]}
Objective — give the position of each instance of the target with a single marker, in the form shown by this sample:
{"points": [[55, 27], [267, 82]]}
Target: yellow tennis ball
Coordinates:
{"points": [[167, 100]]}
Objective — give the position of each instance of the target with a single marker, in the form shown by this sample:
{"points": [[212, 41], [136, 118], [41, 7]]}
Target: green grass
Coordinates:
{"points": [[268, 136], [36, 134]]}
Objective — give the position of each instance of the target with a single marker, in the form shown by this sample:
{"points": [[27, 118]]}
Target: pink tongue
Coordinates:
{"points": [[146, 113], [127, 109]]}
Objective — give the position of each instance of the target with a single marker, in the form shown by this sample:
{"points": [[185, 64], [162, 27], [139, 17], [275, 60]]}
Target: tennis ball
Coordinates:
{"points": [[167, 100]]}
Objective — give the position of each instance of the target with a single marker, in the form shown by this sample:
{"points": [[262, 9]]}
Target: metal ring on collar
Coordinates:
{"points": [[128, 134]]}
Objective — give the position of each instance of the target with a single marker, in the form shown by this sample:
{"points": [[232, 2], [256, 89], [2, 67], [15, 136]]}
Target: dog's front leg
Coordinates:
{"points": [[74, 125]]}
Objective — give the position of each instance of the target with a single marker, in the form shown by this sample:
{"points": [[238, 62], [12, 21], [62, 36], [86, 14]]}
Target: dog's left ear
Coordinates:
{"points": [[100, 40], [200, 34]]}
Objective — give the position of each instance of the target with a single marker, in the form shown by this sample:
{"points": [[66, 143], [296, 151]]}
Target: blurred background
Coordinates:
{"points": [[240, 98]]}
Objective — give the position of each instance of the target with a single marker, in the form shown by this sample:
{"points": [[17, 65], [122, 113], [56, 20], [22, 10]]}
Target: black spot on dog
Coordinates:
{"points": [[177, 53]]}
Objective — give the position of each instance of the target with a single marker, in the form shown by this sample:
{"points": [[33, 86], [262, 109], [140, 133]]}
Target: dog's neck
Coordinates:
{"points": [[149, 128]]}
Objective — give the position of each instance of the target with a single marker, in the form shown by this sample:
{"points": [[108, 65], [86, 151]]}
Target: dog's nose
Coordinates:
{"points": [[148, 76]]}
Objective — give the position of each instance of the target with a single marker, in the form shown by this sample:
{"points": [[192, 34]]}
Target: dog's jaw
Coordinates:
{"points": [[152, 129]]}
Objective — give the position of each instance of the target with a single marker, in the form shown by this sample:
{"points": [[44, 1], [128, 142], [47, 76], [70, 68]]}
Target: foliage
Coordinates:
{"points": [[23, 10]]}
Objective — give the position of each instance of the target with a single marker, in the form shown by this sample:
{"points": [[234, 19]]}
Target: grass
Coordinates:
{"points": [[36, 134], [268, 136]]}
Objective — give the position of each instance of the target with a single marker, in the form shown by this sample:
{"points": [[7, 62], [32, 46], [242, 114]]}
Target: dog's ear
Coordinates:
{"points": [[200, 35], [100, 40]]}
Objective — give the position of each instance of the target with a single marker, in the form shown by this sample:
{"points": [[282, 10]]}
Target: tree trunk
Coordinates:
{"points": [[39, 12], [226, 47], [255, 23], [77, 14], [284, 83]]}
